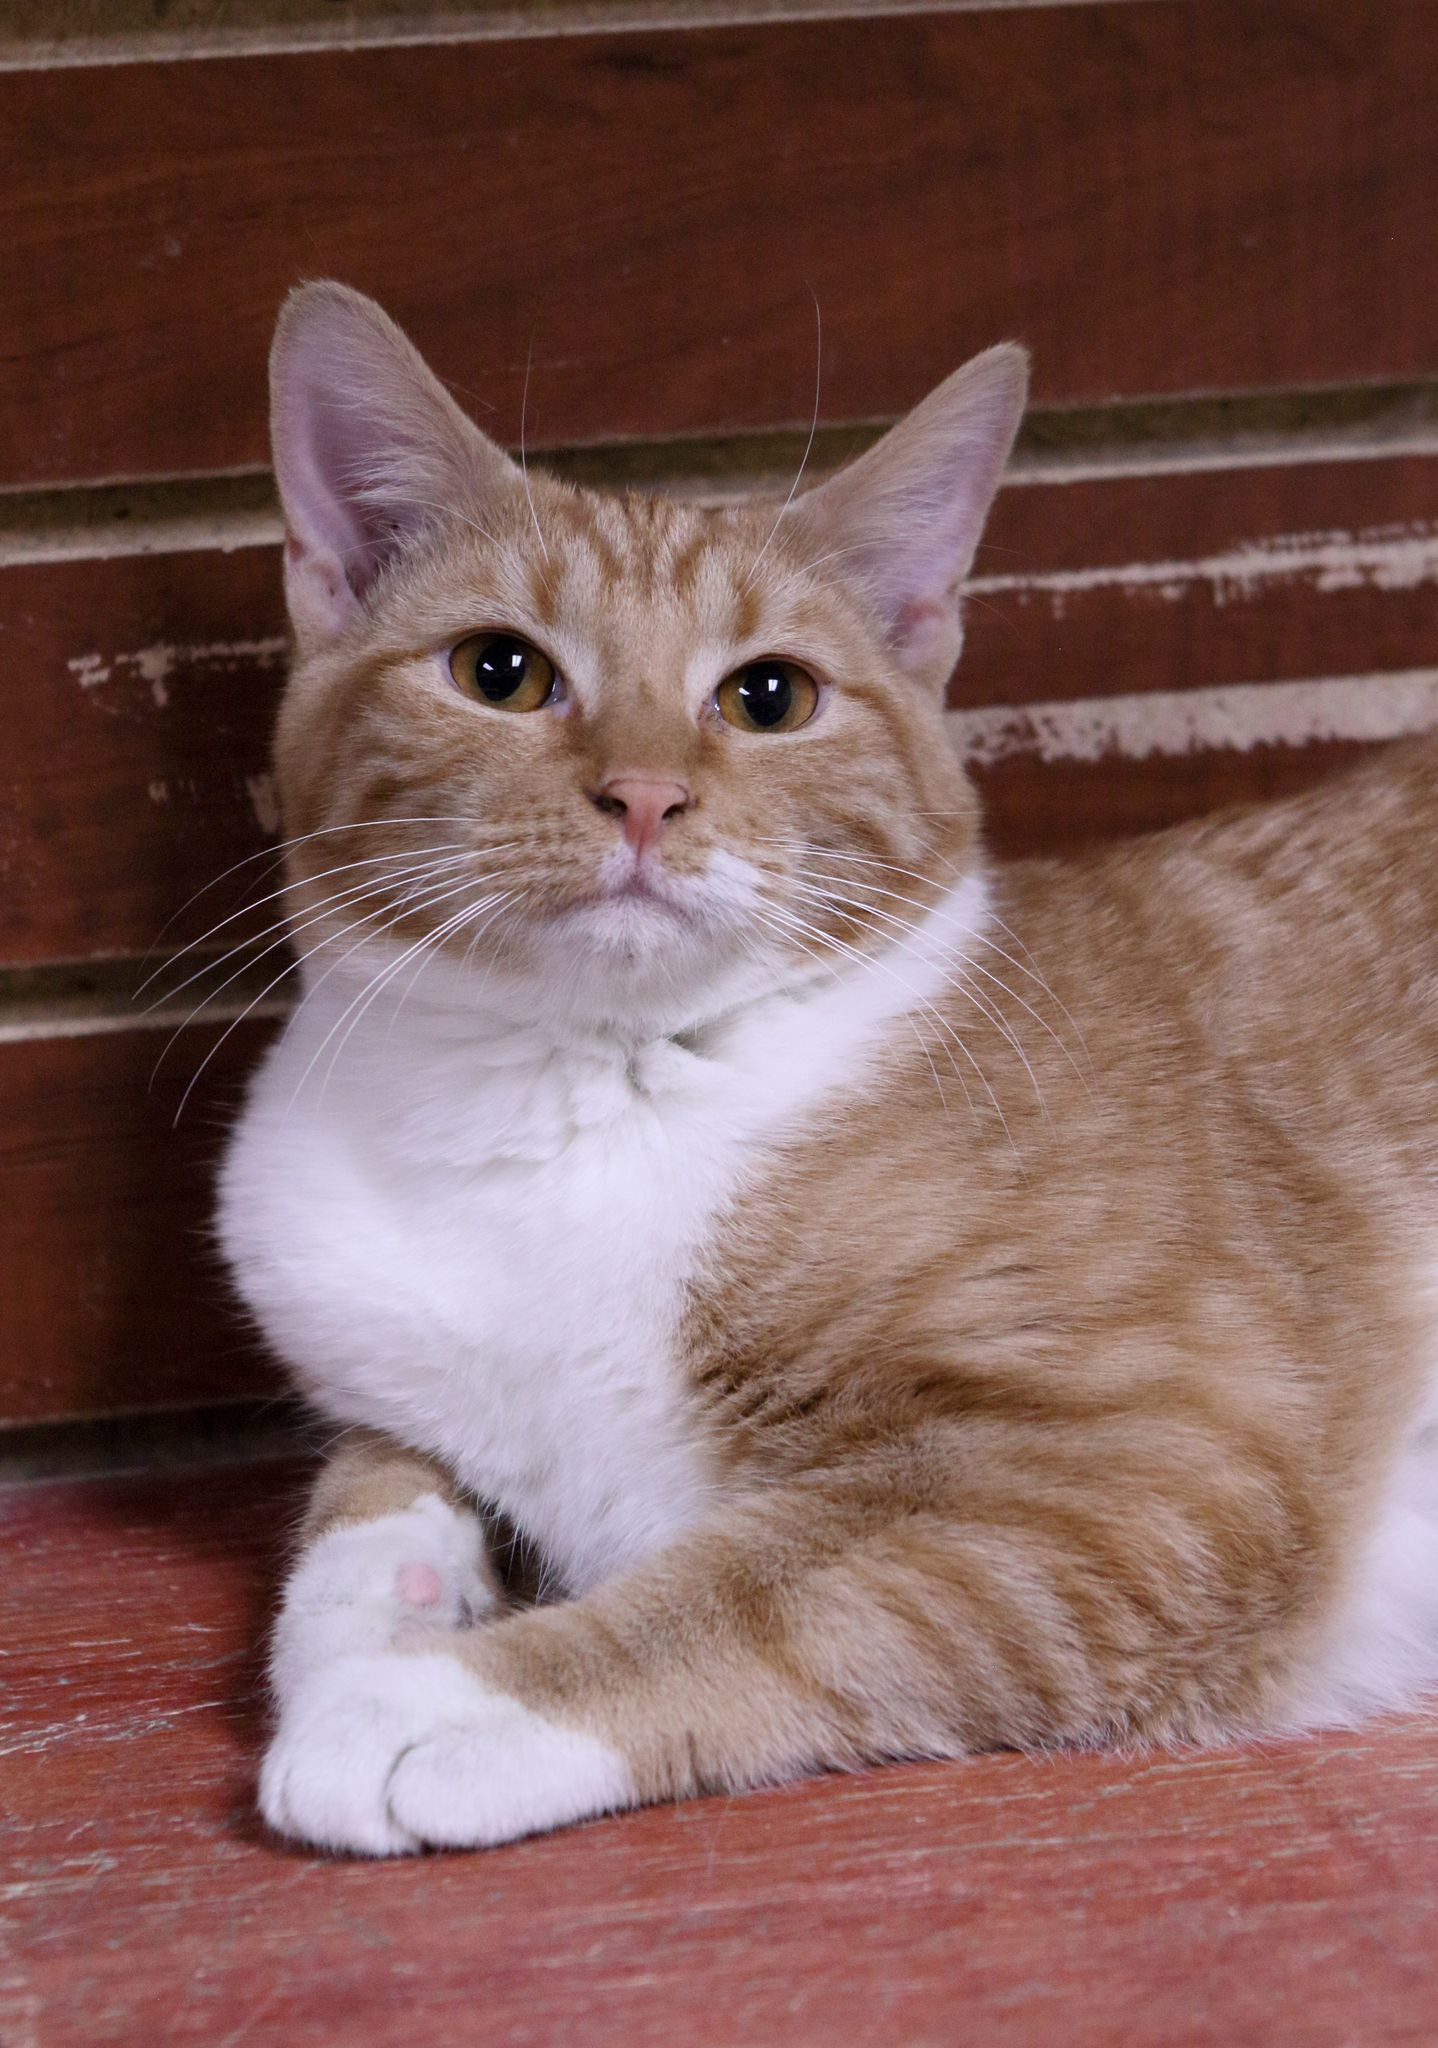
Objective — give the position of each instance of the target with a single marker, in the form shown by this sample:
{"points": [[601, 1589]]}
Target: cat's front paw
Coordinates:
{"points": [[363, 1587], [389, 1754]]}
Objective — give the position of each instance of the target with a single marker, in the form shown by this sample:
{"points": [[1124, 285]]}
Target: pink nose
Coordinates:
{"points": [[643, 805]]}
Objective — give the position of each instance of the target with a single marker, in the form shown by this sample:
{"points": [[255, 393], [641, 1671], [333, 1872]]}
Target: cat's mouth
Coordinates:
{"points": [[640, 887], [637, 911], [640, 883], [636, 888]]}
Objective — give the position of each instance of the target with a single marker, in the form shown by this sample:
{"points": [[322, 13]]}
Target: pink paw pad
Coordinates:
{"points": [[419, 1584]]}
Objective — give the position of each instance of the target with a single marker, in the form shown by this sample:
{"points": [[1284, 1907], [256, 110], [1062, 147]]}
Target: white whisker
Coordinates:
{"points": [[969, 966], [288, 931], [277, 849], [827, 900], [1030, 970], [523, 457], [789, 927], [286, 928], [871, 963], [270, 987], [772, 924], [434, 897], [834, 974], [274, 896], [471, 911], [808, 445], [428, 942]]}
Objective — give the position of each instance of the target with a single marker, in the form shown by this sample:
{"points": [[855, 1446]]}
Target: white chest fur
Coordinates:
{"points": [[476, 1236]]}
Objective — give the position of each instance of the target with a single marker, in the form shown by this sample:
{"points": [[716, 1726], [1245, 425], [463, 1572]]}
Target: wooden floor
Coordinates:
{"points": [[1282, 1895]]}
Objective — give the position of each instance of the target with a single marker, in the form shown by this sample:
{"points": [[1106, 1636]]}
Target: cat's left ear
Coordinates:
{"points": [[905, 519], [370, 453]]}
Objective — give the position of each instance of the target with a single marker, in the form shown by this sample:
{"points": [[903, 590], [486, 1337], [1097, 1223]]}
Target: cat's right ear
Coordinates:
{"points": [[369, 450], [907, 516]]}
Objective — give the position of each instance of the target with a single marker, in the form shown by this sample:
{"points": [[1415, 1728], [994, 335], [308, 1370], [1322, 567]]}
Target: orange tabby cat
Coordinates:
{"points": [[910, 1306]]}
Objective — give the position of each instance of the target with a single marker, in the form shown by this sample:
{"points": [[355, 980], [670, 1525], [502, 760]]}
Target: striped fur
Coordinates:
{"points": [[909, 1308]]}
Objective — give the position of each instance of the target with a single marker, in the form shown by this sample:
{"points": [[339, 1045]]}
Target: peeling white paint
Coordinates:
{"points": [[222, 531], [265, 802], [155, 664], [1396, 557], [89, 670], [1238, 717], [159, 662]]}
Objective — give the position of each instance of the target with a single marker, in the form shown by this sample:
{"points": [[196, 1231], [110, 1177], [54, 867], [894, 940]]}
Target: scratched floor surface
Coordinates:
{"points": [[1285, 1895]]}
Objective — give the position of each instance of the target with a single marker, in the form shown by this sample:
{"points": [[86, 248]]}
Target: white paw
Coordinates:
{"points": [[393, 1753], [362, 1588]]}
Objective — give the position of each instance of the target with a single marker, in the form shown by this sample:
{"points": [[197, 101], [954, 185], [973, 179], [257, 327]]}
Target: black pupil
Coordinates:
{"points": [[766, 694], [501, 667]]}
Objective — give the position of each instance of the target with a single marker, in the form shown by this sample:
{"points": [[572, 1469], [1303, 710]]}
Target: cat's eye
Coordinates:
{"points": [[768, 696], [503, 670]]}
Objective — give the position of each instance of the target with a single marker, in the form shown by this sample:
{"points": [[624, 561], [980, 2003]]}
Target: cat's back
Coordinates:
{"points": [[1288, 949]]}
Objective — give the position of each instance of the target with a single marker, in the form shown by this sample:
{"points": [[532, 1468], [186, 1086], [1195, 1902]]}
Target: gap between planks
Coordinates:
{"points": [[150, 1440], [85, 998], [38, 35], [1058, 445]]}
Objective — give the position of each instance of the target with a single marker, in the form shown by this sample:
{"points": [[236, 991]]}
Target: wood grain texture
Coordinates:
{"points": [[1282, 1894], [37, 32], [1160, 198], [139, 695], [1044, 807], [113, 1301], [135, 765]]}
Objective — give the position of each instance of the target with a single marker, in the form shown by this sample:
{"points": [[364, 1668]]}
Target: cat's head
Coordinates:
{"points": [[639, 754]]}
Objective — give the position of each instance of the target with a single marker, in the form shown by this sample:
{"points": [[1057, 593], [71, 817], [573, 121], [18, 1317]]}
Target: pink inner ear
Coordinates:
{"points": [[324, 459], [369, 449], [355, 437], [916, 617], [909, 512]]}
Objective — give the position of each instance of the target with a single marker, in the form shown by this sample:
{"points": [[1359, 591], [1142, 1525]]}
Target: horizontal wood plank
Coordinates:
{"points": [[1160, 198], [1278, 1893], [1035, 806], [1163, 582], [136, 760], [114, 1301]]}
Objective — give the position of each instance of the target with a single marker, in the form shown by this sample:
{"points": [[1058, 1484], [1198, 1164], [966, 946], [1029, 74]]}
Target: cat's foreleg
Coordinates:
{"points": [[387, 1546], [801, 1633]]}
